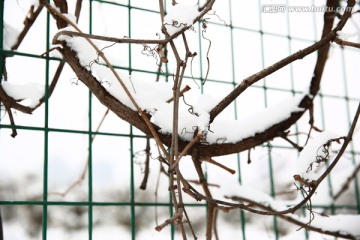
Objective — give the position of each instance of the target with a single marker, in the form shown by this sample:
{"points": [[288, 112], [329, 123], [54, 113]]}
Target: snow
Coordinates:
{"points": [[179, 16], [306, 164], [231, 189], [85, 52], [235, 130], [343, 223], [152, 97], [30, 91], [10, 36]]}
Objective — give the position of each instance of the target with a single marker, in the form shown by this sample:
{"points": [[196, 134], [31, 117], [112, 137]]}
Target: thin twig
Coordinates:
{"points": [[101, 54], [212, 161], [346, 43], [190, 225], [162, 11], [249, 156], [78, 10], [147, 164], [313, 187], [109, 39], [346, 185], [292, 220], [185, 151], [211, 205], [327, 36], [28, 22], [185, 89], [296, 146], [171, 220], [12, 122], [216, 234], [84, 171]]}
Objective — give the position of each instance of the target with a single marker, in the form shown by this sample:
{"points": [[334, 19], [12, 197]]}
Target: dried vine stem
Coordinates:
{"points": [[323, 47], [313, 187], [145, 118], [194, 147], [226, 148], [211, 205], [84, 171], [291, 219], [28, 22], [346, 43], [12, 103], [147, 164], [271, 132], [347, 183]]}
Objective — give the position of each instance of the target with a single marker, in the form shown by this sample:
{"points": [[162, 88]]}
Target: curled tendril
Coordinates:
{"points": [[74, 81], [221, 140], [204, 26], [191, 107]]}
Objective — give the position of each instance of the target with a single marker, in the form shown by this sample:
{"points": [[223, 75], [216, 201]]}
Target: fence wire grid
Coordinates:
{"points": [[63, 177]]}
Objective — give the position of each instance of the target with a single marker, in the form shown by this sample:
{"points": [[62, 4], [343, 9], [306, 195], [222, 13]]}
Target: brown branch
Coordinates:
{"points": [[346, 185], [312, 186], [211, 205], [10, 102], [346, 43], [284, 135], [101, 55], [307, 226], [322, 46], [78, 9], [212, 161], [184, 152], [216, 211], [147, 164], [185, 89], [53, 83], [109, 39], [84, 171], [202, 150], [162, 11], [12, 122], [63, 7], [28, 22], [176, 217]]}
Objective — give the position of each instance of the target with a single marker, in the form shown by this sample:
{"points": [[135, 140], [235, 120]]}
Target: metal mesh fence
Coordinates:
{"points": [[60, 141]]}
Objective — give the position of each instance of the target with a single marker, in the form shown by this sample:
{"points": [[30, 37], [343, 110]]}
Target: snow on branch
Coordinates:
{"points": [[315, 154], [179, 16], [28, 91], [153, 96]]}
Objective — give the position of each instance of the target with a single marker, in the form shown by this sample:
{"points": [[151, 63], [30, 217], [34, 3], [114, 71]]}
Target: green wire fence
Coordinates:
{"points": [[61, 138]]}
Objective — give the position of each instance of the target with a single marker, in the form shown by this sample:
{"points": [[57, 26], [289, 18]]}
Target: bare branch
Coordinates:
{"points": [[147, 164], [212, 161], [28, 22], [322, 46], [347, 183], [78, 9], [346, 43], [307, 226]]}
